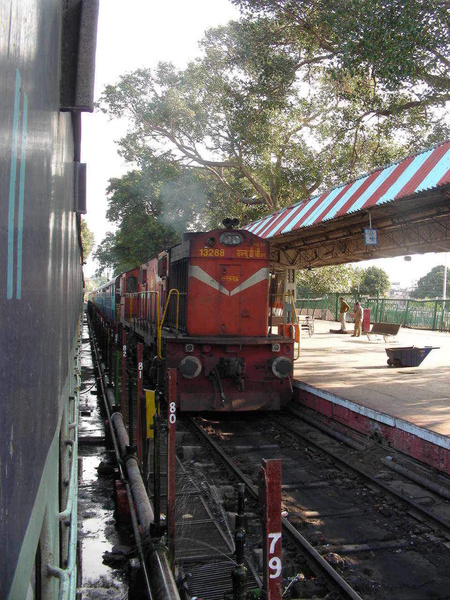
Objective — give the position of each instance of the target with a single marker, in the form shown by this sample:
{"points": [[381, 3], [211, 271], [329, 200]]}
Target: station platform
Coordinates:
{"points": [[347, 379]]}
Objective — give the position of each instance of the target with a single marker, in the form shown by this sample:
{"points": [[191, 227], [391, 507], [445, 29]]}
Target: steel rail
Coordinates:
{"points": [[373, 480], [321, 563]]}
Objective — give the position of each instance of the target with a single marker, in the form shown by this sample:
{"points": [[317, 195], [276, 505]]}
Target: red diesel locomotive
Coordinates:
{"points": [[202, 308]]}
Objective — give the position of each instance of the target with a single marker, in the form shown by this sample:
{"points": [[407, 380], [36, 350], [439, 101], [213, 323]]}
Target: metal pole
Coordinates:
{"points": [[270, 491], [140, 389], [157, 472], [240, 571], [444, 294], [124, 376], [434, 315], [116, 365], [110, 355], [130, 409], [171, 463]]}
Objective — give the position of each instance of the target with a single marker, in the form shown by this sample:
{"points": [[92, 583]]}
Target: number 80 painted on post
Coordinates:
{"points": [[172, 413]]}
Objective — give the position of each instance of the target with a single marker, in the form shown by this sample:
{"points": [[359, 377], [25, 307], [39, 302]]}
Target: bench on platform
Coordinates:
{"points": [[387, 330]]}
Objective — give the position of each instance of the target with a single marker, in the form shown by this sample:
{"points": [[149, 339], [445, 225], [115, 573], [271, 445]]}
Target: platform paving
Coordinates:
{"points": [[356, 369], [347, 379]]}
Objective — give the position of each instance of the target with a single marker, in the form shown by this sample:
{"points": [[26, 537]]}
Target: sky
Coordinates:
{"points": [[140, 33]]}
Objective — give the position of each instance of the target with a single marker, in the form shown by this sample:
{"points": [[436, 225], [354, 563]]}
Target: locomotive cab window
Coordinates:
{"points": [[142, 276], [132, 284]]}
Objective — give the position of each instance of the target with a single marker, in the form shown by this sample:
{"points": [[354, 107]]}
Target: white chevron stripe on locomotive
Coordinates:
{"points": [[201, 275]]}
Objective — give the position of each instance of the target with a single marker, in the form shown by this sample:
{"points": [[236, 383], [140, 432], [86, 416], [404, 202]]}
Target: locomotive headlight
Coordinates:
{"points": [[276, 347], [282, 367], [231, 238], [190, 367]]}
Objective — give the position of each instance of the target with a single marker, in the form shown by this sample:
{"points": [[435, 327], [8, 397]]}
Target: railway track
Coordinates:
{"points": [[354, 527]]}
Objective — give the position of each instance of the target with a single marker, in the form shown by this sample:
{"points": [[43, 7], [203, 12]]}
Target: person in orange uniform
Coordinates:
{"points": [[358, 310], [343, 310]]}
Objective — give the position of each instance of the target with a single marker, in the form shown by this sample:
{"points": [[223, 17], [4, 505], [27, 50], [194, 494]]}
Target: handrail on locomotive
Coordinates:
{"points": [[160, 326]]}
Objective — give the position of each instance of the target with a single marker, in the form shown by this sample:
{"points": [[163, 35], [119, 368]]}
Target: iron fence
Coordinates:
{"points": [[408, 312]]}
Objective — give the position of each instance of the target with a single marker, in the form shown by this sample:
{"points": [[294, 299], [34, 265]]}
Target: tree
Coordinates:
{"points": [[150, 209], [325, 280], [431, 285], [373, 280], [142, 229], [87, 240], [266, 112], [398, 45]]}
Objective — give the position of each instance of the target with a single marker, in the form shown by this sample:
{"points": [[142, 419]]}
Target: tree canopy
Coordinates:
{"points": [[342, 279], [373, 280], [401, 45], [325, 280], [294, 98], [431, 285], [87, 240], [285, 102]]}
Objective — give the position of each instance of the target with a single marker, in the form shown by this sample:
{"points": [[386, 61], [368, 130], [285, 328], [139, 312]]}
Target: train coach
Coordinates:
{"points": [[202, 307]]}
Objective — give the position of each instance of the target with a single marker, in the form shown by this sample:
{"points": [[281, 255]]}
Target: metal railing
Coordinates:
{"points": [[433, 314], [68, 516]]}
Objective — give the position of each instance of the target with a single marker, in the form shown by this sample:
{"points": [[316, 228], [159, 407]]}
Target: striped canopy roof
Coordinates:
{"points": [[412, 175]]}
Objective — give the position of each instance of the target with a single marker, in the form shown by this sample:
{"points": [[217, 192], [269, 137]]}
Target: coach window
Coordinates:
{"points": [[132, 284]]}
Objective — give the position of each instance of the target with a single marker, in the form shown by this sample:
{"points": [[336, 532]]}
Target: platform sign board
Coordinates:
{"points": [[371, 236], [270, 499]]}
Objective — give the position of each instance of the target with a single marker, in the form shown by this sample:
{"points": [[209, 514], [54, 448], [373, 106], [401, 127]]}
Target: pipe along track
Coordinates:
{"points": [[158, 578]]}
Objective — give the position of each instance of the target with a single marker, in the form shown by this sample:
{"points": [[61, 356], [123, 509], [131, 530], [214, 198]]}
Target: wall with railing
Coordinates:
{"points": [[409, 312]]}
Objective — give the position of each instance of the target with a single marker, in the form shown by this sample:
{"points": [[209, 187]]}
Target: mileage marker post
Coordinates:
{"points": [[124, 376], [140, 413], [270, 502], [171, 462]]}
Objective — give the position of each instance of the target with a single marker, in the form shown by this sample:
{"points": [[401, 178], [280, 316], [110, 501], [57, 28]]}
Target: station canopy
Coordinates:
{"points": [[397, 210]]}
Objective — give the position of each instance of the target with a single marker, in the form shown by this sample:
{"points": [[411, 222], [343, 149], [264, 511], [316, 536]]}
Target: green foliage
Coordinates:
{"points": [[431, 285], [266, 113], [399, 44], [342, 278], [373, 280], [150, 208], [325, 280], [87, 239], [296, 97], [93, 283]]}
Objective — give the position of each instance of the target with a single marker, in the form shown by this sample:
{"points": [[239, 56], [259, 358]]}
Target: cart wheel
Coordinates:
{"points": [[389, 362], [397, 362]]}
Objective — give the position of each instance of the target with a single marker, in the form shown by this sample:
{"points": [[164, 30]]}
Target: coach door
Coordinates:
{"points": [[229, 300]]}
